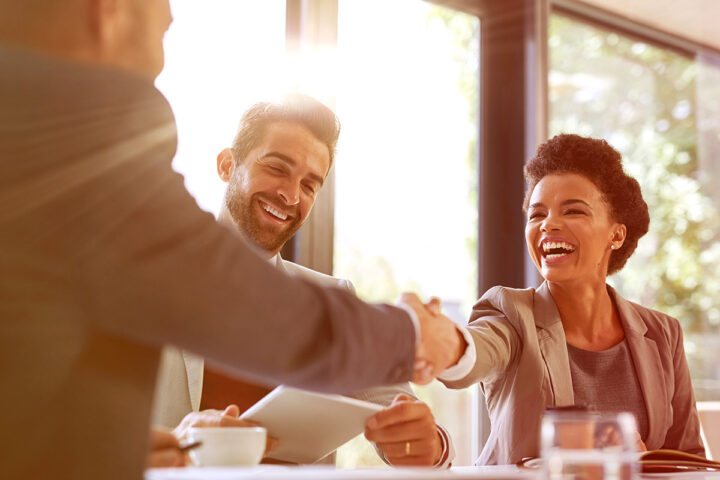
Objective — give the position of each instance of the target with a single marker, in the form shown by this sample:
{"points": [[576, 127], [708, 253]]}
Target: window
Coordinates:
{"points": [[660, 108], [406, 174], [407, 98], [221, 56]]}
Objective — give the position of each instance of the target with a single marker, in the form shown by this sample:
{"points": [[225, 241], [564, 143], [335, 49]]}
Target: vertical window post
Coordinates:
{"points": [[311, 27]]}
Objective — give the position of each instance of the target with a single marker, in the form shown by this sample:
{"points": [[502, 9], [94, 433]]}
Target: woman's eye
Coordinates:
{"points": [[535, 215], [573, 211], [309, 189]]}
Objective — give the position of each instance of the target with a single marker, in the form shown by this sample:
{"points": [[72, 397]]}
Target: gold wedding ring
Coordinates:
{"points": [[407, 449]]}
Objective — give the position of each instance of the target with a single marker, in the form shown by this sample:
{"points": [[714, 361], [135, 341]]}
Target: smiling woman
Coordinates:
{"points": [[599, 168], [565, 342]]}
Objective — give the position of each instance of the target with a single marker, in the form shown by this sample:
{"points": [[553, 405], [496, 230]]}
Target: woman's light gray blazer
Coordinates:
{"points": [[522, 366]]}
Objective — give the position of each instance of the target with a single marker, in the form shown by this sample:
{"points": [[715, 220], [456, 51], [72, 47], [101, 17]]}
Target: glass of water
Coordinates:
{"points": [[577, 444]]}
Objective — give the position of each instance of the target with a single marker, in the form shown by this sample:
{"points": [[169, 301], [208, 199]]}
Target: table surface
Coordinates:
{"points": [[271, 472]]}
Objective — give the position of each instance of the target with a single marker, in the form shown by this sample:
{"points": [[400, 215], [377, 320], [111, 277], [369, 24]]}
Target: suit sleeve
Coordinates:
{"points": [[159, 270], [495, 339]]}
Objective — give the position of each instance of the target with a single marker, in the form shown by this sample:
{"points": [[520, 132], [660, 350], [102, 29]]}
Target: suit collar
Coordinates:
{"points": [[544, 309], [547, 314], [279, 263], [194, 368]]}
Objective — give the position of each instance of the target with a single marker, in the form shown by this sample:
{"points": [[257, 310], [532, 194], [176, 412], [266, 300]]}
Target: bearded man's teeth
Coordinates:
{"points": [[274, 212]]}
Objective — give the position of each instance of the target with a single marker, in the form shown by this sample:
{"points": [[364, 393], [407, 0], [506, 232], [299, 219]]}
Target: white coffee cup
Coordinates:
{"points": [[228, 446]]}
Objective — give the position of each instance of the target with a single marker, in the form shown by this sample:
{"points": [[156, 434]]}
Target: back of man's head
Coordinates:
{"points": [[37, 23], [296, 108], [120, 34]]}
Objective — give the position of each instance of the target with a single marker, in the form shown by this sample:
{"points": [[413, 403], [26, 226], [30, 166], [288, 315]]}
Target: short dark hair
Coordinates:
{"points": [[596, 160], [296, 108]]}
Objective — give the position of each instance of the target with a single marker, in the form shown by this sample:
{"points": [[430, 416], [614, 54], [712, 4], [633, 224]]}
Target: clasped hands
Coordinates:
{"points": [[441, 342]]}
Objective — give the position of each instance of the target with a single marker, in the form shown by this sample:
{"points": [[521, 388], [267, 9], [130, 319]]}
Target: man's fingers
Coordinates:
{"points": [[168, 457], [401, 449], [232, 411], [271, 444], [160, 439], [403, 432], [401, 397], [401, 412], [226, 421], [434, 305], [410, 299], [412, 461]]}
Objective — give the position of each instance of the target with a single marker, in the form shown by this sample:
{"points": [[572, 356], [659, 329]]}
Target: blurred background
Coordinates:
{"points": [[441, 103]]}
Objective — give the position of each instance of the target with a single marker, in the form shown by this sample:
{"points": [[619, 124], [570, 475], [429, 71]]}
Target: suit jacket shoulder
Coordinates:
{"points": [[319, 278]]}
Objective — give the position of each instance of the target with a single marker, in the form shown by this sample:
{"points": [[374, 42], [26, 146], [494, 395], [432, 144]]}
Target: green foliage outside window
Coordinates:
{"points": [[646, 102]]}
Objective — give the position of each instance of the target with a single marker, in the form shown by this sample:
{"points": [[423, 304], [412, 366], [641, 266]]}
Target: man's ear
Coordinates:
{"points": [[225, 164]]}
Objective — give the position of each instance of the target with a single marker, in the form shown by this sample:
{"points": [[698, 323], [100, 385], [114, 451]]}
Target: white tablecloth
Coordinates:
{"points": [[330, 473]]}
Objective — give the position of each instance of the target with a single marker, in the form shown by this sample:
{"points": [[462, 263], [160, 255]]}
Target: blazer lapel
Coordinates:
{"points": [[194, 367], [553, 347], [648, 367]]}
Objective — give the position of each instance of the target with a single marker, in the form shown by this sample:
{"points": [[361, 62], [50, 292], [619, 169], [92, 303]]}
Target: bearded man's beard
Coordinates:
{"points": [[245, 215]]}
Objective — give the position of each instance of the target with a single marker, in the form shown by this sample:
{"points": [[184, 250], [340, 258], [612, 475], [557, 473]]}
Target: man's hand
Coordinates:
{"points": [[218, 418], [406, 433], [441, 343], [164, 450]]}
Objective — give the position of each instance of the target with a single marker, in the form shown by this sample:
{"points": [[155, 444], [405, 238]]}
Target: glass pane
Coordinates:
{"points": [[221, 56], [660, 109], [406, 175]]}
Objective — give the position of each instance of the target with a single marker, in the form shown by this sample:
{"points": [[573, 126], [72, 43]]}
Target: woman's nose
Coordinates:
{"points": [[550, 223]]}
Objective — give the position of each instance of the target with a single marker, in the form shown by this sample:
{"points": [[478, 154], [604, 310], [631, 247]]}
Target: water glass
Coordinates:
{"points": [[583, 445]]}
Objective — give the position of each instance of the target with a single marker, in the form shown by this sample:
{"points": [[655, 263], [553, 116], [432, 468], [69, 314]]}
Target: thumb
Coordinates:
{"points": [[232, 411], [434, 305], [410, 299], [400, 398]]}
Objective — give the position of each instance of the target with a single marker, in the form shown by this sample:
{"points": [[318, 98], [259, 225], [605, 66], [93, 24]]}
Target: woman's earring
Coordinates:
{"points": [[612, 247]]}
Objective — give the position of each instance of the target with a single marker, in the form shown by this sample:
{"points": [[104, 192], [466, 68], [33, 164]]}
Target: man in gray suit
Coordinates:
{"points": [[105, 257], [279, 160]]}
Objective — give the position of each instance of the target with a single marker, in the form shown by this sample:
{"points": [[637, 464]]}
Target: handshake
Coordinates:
{"points": [[441, 344]]}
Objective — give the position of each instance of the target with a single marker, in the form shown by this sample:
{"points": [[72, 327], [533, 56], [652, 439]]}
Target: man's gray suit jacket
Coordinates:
{"points": [[105, 257]]}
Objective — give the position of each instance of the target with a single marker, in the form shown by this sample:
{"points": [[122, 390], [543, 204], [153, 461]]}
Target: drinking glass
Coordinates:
{"points": [[583, 445]]}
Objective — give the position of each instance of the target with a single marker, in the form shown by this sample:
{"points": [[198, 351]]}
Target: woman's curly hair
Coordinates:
{"points": [[602, 165]]}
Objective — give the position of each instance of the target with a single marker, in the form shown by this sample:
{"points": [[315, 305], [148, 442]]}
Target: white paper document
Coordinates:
{"points": [[309, 425]]}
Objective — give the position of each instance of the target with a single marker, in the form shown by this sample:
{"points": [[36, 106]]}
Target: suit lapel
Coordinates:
{"points": [[553, 347], [194, 367], [648, 367]]}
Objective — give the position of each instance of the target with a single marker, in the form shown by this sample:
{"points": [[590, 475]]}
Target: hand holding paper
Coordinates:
{"points": [[406, 433]]}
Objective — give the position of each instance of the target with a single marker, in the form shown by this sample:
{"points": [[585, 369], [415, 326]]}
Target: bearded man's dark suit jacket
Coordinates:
{"points": [[105, 257]]}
